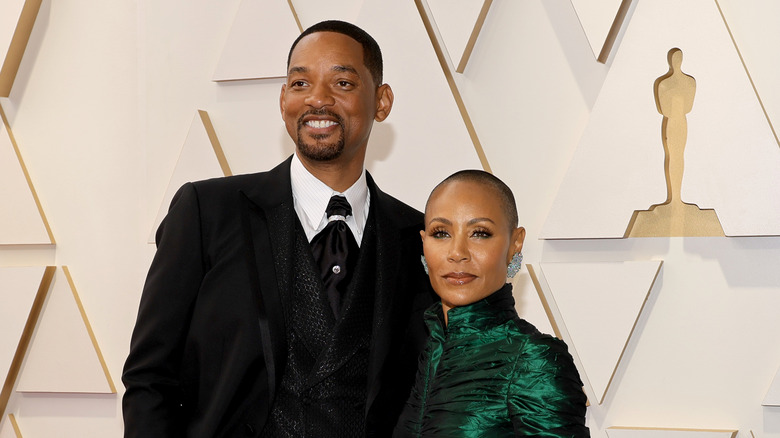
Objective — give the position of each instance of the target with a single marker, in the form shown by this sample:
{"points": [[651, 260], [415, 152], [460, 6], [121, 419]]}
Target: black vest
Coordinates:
{"points": [[323, 388]]}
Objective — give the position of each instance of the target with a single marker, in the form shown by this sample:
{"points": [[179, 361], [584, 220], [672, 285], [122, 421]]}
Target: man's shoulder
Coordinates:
{"points": [[249, 182], [391, 207]]}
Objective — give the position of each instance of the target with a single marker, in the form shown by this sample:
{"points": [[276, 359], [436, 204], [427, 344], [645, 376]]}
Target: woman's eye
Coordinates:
{"points": [[482, 234], [439, 234]]}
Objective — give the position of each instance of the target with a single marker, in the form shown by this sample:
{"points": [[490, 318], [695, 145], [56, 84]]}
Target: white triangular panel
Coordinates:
{"points": [[63, 356], [455, 20], [599, 304], [17, 18], [20, 219], [10, 12], [7, 428], [528, 302], [619, 164], [772, 397], [596, 18], [313, 11], [18, 288], [258, 42], [198, 160], [627, 432]]}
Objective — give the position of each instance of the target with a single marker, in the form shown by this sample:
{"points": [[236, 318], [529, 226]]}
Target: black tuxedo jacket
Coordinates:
{"points": [[209, 346]]}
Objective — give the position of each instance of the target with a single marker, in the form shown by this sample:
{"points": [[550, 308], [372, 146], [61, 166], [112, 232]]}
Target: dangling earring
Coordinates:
{"points": [[424, 263], [514, 265]]}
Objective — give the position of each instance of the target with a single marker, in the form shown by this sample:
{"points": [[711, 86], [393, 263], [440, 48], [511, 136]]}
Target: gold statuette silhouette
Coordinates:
{"points": [[674, 93]]}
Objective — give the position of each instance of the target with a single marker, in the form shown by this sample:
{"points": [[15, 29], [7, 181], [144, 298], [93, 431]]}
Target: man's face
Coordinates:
{"points": [[329, 101]]}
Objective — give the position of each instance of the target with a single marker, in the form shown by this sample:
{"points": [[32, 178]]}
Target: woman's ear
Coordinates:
{"points": [[516, 242]]}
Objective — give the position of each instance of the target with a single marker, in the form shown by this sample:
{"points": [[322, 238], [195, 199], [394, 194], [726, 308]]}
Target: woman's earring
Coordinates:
{"points": [[514, 265], [424, 263]]}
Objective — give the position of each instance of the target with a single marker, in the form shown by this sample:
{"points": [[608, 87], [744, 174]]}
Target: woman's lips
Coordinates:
{"points": [[459, 278]]}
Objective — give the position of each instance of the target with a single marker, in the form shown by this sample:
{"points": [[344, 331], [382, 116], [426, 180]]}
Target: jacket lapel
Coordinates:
{"points": [[388, 268], [267, 207]]}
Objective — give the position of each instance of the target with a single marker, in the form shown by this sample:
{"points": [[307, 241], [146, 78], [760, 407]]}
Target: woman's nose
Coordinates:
{"points": [[459, 250]]}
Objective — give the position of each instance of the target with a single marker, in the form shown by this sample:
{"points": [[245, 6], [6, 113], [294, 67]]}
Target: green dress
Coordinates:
{"points": [[489, 373]]}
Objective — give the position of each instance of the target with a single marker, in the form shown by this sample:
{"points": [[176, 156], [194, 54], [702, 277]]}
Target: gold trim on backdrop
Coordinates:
{"points": [[15, 425], [474, 35], [437, 47], [89, 329], [223, 164], [24, 340], [747, 72], [543, 299], [614, 30], [631, 332], [26, 175], [18, 45], [295, 15]]}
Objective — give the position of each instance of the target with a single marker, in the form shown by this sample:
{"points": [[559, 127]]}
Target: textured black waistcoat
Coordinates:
{"points": [[323, 387]]}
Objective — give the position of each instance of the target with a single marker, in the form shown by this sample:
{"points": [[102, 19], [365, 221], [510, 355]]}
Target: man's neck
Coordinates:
{"points": [[338, 176]]}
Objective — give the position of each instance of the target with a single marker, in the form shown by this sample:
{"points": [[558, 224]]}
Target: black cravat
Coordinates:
{"points": [[335, 252]]}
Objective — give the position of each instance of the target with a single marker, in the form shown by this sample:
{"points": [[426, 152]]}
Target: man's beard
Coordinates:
{"points": [[320, 151]]}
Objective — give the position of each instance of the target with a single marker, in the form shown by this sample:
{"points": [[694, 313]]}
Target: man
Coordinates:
{"points": [[240, 331]]}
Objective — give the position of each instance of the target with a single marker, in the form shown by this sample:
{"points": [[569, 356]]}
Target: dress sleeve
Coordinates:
{"points": [[153, 402], [545, 396]]}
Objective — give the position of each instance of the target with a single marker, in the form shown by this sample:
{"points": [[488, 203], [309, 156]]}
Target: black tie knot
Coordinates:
{"points": [[338, 206]]}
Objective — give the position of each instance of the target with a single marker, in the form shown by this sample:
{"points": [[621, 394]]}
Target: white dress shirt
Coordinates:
{"points": [[311, 196]]}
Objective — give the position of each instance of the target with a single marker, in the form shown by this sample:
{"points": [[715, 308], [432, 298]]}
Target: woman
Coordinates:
{"points": [[485, 372]]}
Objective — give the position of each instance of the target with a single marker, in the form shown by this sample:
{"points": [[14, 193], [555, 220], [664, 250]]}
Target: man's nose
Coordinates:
{"points": [[319, 97]]}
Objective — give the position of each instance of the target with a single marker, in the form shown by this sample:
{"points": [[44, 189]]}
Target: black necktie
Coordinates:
{"points": [[335, 252]]}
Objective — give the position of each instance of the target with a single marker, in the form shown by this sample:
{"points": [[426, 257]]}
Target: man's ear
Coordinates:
{"points": [[384, 102]]}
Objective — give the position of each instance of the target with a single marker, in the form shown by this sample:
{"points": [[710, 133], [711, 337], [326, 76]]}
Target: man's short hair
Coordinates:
{"points": [[372, 55]]}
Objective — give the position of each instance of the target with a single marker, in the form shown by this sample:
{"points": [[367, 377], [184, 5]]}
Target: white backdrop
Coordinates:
{"points": [[107, 91]]}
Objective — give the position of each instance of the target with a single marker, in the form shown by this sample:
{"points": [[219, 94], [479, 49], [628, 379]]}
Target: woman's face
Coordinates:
{"points": [[468, 242]]}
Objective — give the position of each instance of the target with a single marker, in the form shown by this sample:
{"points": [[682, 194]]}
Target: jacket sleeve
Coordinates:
{"points": [[545, 395], [153, 405]]}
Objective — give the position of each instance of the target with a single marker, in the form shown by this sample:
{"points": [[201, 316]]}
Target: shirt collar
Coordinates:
{"points": [[312, 195]]}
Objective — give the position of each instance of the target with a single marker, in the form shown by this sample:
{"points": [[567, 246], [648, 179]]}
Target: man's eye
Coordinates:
{"points": [[298, 83], [344, 83]]}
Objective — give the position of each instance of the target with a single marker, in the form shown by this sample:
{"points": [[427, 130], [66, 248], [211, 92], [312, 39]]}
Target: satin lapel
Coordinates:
{"points": [[264, 209]]}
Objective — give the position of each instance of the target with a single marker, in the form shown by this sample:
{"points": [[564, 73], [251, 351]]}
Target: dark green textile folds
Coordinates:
{"points": [[489, 373]]}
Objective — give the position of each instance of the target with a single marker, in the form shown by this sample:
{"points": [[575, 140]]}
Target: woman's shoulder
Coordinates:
{"points": [[537, 346]]}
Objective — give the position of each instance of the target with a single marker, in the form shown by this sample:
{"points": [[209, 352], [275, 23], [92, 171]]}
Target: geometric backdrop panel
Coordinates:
{"points": [[597, 19], [600, 304], [651, 432], [456, 20], [16, 22], [201, 157], [64, 355], [731, 158], [21, 219], [23, 291], [772, 397], [258, 42]]}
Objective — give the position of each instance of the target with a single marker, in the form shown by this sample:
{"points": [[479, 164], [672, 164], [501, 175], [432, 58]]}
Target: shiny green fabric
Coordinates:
{"points": [[489, 373]]}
